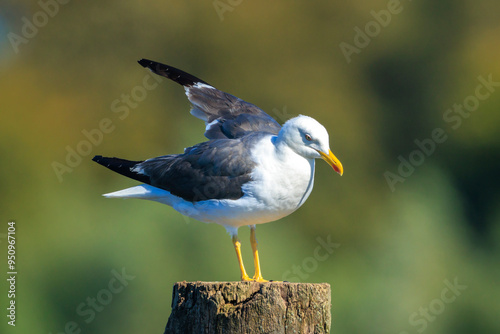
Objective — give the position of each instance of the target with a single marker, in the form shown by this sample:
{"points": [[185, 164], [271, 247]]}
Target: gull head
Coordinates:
{"points": [[308, 138]]}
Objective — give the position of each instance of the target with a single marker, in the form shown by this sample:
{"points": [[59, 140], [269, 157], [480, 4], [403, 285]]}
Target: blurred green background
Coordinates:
{"points": [[398, 245]]}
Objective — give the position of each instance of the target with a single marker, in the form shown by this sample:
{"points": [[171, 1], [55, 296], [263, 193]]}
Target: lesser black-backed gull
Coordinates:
{"points": [[250, 171]]}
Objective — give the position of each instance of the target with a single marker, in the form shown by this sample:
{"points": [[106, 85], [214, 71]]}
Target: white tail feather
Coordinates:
{"points": [[144, 191]]}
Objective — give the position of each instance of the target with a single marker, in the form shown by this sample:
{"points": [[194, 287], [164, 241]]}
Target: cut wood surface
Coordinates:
{"points": [[250, 307]]}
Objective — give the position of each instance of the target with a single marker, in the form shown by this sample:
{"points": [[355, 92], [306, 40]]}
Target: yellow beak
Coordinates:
{"points": [[333, 161]]}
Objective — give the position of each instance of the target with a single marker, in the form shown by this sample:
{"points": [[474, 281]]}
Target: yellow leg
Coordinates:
{"points": [[237, 247], [258, 275]]}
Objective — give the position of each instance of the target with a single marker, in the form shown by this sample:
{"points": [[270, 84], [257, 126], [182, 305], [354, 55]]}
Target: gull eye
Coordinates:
{"points": [[308, 137]]}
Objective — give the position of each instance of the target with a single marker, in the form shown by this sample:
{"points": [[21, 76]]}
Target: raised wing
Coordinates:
{"points": [[225, 115]]}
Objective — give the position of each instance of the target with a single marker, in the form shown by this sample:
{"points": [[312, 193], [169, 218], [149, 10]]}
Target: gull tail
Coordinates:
{"points": [[144, 191]]}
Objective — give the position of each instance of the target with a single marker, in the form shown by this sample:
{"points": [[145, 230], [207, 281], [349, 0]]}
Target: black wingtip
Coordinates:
{"points": [[122, 166], [171, 73], [145, 62]]}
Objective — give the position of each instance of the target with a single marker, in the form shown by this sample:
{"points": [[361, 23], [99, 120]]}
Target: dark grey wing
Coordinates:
{"points": [[226, 116], [216, 169]]}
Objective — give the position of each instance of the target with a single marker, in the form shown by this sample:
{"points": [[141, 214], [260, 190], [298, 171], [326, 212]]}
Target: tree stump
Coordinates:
{"points": [[249, 307]]}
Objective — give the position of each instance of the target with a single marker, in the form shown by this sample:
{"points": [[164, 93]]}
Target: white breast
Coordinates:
{"points": [[281, 182]]}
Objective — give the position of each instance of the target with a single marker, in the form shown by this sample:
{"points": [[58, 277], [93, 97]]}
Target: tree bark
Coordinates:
{"points": [[249, 307]]}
